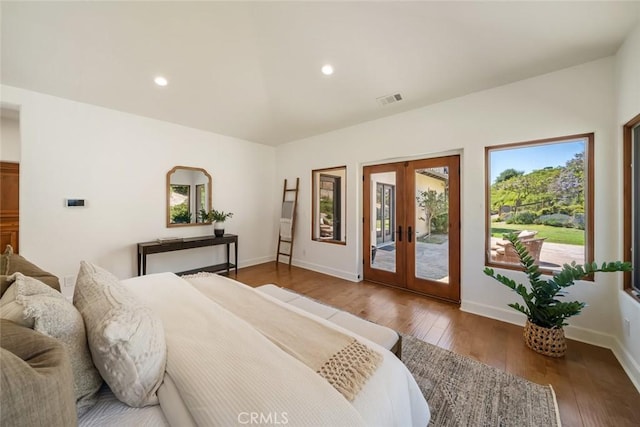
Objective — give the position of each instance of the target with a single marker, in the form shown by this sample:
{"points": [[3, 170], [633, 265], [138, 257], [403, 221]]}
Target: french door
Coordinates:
{"points": [[411, 235]]}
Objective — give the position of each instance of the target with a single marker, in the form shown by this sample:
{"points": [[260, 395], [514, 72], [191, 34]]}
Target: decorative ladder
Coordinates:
{"points": [[287, 227]]}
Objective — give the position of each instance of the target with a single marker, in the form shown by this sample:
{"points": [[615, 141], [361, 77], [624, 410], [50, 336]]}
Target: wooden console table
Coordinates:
{"points": [[156, 247]]}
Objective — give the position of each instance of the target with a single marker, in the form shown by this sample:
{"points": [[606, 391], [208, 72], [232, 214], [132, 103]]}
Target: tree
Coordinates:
{"points": [[434, 205], [568, 187], [507, 174]]}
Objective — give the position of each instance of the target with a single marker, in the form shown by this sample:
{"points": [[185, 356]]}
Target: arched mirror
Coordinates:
{"points": [[188, 191]]}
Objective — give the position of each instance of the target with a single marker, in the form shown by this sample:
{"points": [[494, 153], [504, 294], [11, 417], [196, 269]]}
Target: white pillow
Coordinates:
{"points": [[126, 338], [31, 303]]}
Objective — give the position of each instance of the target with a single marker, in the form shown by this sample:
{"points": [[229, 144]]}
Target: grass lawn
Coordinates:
{"points": [[568, 236]]}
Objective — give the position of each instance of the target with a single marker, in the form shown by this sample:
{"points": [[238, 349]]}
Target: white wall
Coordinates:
{"points": [[9, 140], [628, 97], [118, 163], [572, 101]]}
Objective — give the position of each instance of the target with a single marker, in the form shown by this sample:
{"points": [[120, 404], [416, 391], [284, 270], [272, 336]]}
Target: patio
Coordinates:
{"points": [[433, 260]]}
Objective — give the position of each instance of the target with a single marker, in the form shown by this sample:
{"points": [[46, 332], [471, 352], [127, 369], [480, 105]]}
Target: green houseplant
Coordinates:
{"points": [[546, 314], [217, 218]]}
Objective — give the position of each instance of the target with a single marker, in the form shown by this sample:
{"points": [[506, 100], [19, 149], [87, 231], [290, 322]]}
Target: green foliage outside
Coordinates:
{"points": [[535, 197], [180, 214], [436, 208], [567, 236], [326, 207], [541, 304]]}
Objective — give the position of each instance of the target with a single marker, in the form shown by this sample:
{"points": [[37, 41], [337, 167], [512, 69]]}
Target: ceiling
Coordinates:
{"points": [[251, 70]]}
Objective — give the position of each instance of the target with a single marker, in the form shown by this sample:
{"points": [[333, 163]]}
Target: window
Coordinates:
{"points": [[631, 195], [543, 191], [328, 204]]}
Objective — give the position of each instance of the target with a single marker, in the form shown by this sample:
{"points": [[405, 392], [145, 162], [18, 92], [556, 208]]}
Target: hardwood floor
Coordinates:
{"points": [[591, 387]]}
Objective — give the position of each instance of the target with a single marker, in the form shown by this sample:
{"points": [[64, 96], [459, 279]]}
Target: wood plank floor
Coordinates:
{"points": [[591, 386]]}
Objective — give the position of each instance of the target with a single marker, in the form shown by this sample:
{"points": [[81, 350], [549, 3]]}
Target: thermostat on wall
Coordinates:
{"points": [[74, 203]]}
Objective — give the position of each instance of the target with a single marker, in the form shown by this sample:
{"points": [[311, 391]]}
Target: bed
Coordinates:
{"points": [[197, 351]]}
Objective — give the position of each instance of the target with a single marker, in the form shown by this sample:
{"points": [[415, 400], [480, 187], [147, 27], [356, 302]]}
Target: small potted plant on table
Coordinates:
{"points": [[217, 218], [545, 313]]}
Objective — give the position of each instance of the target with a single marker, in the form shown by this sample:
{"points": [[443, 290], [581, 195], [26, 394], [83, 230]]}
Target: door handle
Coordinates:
{"points": [[399, 233], [409, 234]]}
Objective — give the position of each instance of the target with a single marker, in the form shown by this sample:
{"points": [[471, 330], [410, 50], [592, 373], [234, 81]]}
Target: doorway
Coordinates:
{"points": [[412, 225]]}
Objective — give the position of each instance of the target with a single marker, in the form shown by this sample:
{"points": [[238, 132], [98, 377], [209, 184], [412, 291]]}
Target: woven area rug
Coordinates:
{"points": [[463, 392]]}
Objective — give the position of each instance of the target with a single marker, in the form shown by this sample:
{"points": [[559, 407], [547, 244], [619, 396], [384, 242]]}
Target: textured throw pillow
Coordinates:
{"points": [[125, 337], [36, 386], [33, 304]]}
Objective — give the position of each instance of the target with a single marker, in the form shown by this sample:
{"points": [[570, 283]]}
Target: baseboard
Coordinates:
{"points": [[589, 336], [628, 363], [255, 261], [577, 333], [504, 315], [326, 270]]}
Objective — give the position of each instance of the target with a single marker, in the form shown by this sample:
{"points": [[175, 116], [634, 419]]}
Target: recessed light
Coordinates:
{"points": [[327, 69], [161, 81]]}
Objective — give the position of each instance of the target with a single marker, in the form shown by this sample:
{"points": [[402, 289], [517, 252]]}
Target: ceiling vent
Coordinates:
{"points": [[389, 99]]}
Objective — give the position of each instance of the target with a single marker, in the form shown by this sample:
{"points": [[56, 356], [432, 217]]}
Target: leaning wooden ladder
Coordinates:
{"points": [[287, 224]]}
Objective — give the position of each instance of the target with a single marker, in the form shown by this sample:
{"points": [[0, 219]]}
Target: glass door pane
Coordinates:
{"points": [[432, 223], [383, 253]]}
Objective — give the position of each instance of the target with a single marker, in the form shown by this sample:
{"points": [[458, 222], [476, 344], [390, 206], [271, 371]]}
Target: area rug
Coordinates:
{"points": [[388, 248], [463, 392]]}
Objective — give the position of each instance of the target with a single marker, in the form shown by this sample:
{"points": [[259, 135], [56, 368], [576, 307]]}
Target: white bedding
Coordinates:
{"points": [[109, 411], [225, 371]]}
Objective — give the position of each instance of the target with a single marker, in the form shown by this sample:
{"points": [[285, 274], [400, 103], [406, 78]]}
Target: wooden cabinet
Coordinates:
{"points": [[9, 205]]}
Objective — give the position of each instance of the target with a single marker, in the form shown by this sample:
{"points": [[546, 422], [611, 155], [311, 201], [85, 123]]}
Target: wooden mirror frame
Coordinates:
{"points": [[193, 192], [338, 173]]}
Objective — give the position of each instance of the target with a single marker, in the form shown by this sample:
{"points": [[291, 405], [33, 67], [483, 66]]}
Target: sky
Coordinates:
{"points": [[531, 158]]}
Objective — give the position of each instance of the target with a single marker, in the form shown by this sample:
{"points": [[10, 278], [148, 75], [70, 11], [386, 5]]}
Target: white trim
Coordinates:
{"points": [[255, 261], [504, 315], [629, 365], [346, 275]]}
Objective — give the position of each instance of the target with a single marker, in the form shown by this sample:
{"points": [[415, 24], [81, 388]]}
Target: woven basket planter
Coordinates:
{"points": [[550, 342]]}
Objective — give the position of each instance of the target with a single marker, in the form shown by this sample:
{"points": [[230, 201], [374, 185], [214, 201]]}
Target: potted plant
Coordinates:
{"points": [[217, 218], [545, 313]]}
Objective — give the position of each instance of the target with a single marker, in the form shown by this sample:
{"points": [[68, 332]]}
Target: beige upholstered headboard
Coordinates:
{"points": [[13, 263]]}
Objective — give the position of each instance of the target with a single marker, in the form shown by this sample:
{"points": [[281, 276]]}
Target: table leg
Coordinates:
{"points": [[235, 261], [228, 260]]}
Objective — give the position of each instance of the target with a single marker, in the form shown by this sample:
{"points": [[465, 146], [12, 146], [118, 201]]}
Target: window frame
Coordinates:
{"points": [[588, 190], [627, 182]]}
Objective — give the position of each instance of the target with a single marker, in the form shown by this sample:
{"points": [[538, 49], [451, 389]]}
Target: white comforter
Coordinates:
{"points": [[221, 371]]}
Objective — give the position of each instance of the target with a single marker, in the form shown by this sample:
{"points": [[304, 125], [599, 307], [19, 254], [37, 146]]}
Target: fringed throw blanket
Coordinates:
{"points": [[342, 360]]}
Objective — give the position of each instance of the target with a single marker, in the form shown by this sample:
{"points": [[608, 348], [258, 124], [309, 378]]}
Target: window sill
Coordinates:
{"points": [[633, 294]]}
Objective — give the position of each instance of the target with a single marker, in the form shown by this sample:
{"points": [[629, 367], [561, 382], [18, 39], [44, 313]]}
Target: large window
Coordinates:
{"points": [[631, 196], [542, 191]]}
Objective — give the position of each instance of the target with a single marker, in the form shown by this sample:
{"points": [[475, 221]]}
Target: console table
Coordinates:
{"points": [[156, 247]]}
